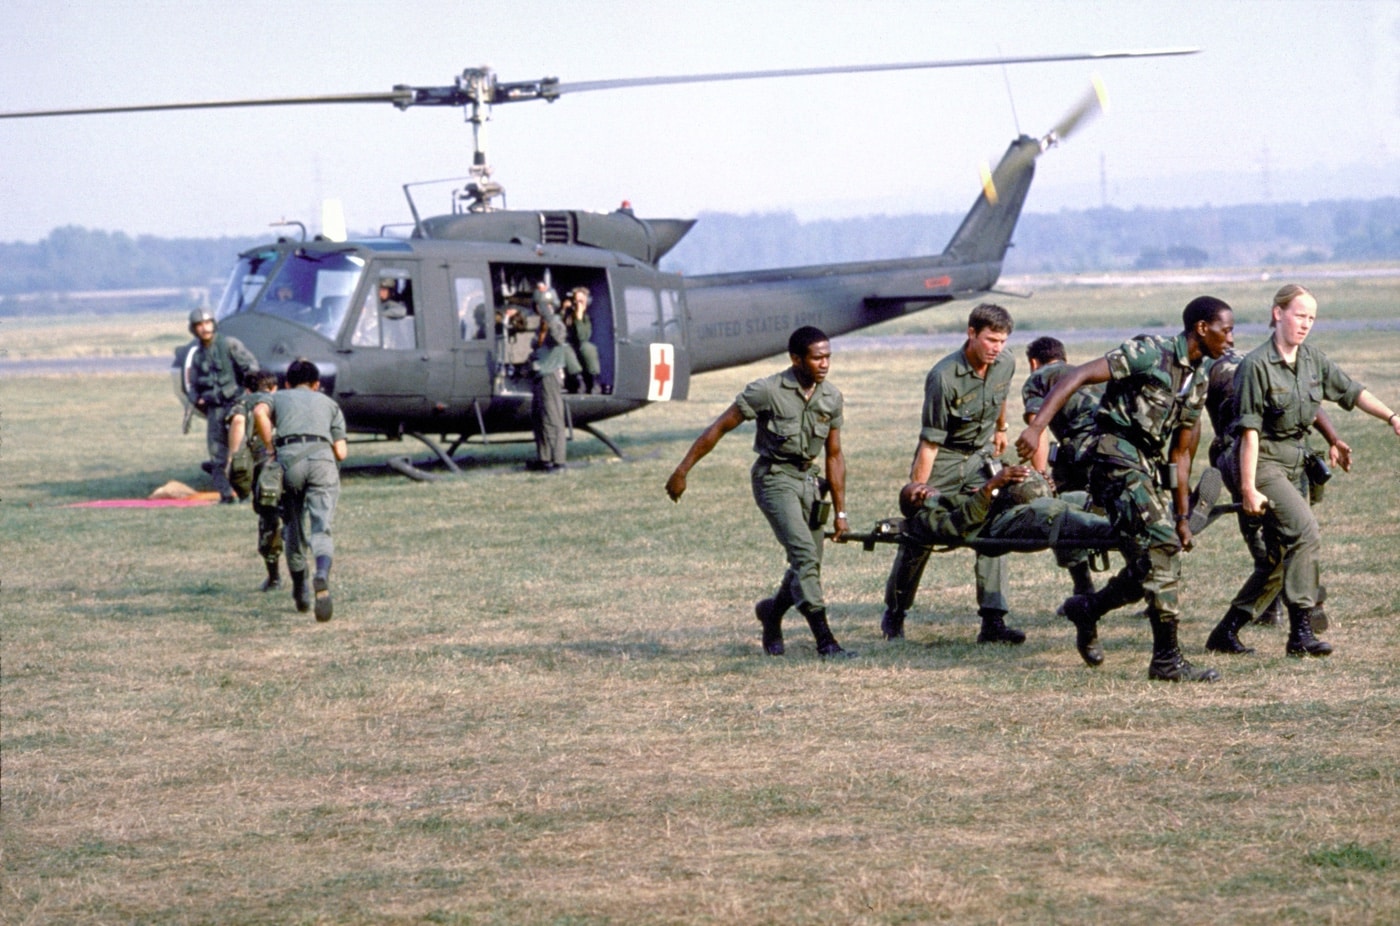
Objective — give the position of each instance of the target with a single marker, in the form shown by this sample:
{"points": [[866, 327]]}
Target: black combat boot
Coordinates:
{"points": [[827, 647], [1273, 614], [300, 594], [892, 624], [994, 629], [1301, 641], [1318, 617], [1168, 665], [1083, 579], [770, 613], [321, 585], [274, 577], [1079, 611], [1225, 637]]}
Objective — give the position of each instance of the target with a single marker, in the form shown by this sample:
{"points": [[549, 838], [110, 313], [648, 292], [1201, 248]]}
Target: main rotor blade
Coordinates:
{"points": [[402, 97], [582, 86]]}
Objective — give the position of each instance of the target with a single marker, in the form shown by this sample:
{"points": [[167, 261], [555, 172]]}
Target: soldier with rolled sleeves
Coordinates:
{"points": [[798, 415], [1221, 408], [1146, 430], [241, 433], [309, 443], [218, 367], [1278, 389], [963, 426]]}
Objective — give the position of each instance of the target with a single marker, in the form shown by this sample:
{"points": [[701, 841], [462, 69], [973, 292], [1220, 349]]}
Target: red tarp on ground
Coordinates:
{"points": [[201, 498]]}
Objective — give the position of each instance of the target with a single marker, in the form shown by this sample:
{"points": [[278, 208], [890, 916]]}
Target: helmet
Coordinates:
{"points": [[1032, 487], [201, 315]]}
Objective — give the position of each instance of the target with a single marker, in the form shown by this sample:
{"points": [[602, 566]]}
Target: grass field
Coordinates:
{"points": [[542, 698]]}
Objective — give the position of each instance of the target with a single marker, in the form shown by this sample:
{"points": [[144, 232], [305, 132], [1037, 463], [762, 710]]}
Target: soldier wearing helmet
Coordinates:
{"points": [[1015, 504], [218, 367]]}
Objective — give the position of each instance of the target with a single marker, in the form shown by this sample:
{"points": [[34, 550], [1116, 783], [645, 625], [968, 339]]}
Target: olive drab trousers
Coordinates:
{"points": [[786, 499], [1292, 539], [954, 473], [310, 489]]}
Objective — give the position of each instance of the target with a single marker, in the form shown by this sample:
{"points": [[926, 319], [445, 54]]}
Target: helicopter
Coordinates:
{"points": [[429, 333]]}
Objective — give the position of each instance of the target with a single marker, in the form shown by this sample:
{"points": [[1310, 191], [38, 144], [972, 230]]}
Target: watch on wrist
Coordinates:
{"points": [[840, 515]]}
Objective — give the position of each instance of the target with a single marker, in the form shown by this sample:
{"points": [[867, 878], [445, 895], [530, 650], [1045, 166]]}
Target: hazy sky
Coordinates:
{"points": [[1283, 93]]}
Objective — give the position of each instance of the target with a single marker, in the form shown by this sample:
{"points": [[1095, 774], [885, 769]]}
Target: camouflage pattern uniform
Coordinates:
{"points": [[1280, 403], [959, 415], [269, 518], [1072, 425], [1153, 392]]}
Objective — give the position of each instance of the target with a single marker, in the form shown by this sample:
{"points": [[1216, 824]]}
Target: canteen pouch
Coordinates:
{"points": [[268, 492]]}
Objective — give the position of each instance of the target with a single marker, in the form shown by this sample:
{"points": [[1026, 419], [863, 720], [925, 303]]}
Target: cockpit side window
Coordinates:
{"points": [[471, 308], [387, 316]]}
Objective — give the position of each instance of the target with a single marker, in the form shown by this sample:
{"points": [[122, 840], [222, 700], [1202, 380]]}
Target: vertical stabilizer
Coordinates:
{"points": [[986, 233]]}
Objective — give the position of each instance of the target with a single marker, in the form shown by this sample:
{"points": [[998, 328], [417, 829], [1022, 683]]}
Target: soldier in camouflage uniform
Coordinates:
{"points": [[799, 416], [1072, 427], [963, 426], [243, 438], [1147, 423], [1278, 388]]}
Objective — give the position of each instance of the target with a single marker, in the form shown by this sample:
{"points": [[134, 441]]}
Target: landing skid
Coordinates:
{"points": [[406, 467]]}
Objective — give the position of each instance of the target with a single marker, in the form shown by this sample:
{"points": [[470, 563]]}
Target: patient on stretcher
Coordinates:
{"points": [[996, 512]]}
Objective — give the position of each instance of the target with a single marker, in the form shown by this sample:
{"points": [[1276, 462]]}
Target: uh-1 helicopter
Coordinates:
{"points": [[422, 334]]}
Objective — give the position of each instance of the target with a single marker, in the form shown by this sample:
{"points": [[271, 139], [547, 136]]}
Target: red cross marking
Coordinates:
{"points": [[661, 373]]}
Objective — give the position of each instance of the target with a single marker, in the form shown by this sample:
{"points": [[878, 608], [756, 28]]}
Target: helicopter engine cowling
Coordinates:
{"points": [[646, 240]]}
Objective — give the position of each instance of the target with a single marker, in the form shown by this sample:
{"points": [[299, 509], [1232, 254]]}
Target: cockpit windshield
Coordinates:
{"points": [[309, 289], [246, 281]]}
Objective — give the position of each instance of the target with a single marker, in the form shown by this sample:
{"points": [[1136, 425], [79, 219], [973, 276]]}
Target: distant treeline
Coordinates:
{"points": [[1067, 241], [34, 278]]}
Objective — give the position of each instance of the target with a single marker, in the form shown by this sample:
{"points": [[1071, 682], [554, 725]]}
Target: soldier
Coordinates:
{"points": [[1015, 504], [799, 415], [547, 395], [1278, 388], [1147, 421], [580, 330], [1220, 406], [243, 439], [964, 415], [1072, 427], [309, 445], [218, 368]]}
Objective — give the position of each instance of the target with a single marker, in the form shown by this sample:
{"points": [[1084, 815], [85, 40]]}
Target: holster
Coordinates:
{"points": [[821, 507]]}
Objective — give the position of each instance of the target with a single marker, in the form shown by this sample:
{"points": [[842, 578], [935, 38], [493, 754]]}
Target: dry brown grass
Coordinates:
{"points": [[542, 700]]}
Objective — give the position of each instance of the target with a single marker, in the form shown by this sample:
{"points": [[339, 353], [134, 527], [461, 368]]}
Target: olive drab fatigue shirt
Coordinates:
{"points": [[961, 408], [1281, 401], [791, 431], [1153, 391]]}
